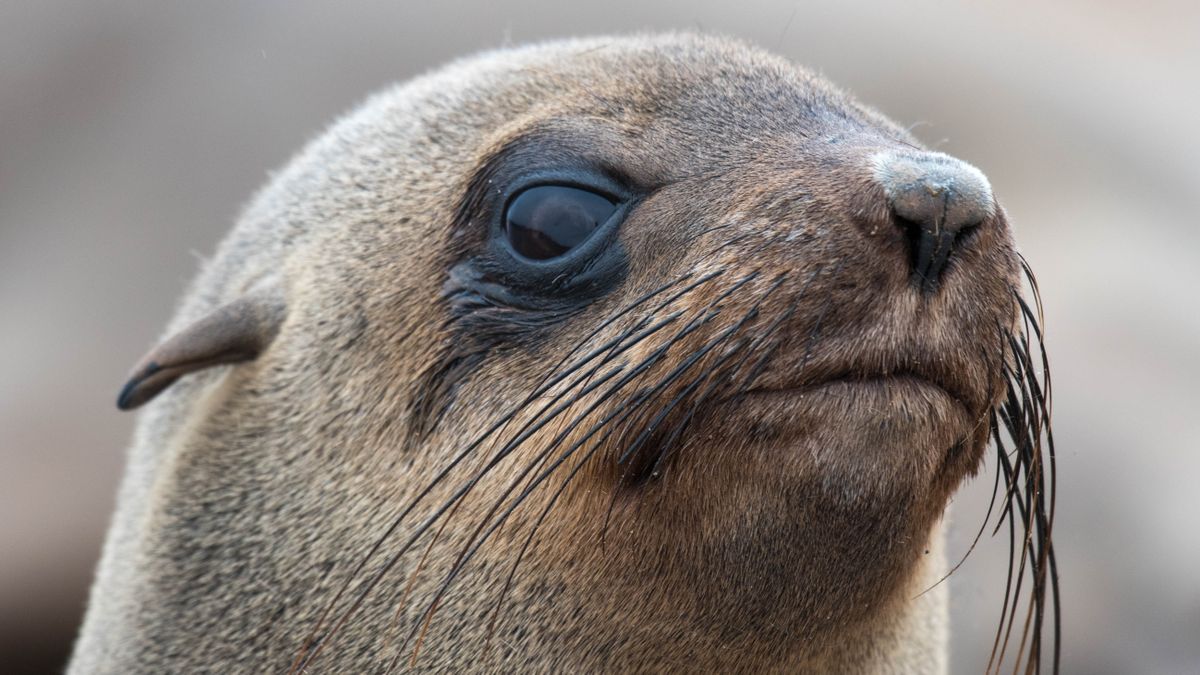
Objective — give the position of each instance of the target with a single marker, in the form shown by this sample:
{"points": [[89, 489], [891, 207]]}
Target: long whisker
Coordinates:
{"points": [[762, 362], [313, 644], [654, 357], [1005, 468], [641, 399], [1025, 413], [529, 430], [1042, 520], [368, 586], [654, 311], [987, 518], [1024, 499], [479, 536], [682, 367], [713, 382], [623, 412], [1038, 323], [478, 540], [620, 411]]}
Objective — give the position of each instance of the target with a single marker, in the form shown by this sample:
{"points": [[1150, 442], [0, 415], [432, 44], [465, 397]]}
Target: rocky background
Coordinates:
{"points": [[131, 132]]}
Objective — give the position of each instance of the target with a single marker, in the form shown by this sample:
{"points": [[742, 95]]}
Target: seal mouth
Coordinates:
{"points": [[910, 401], [879, 380]]}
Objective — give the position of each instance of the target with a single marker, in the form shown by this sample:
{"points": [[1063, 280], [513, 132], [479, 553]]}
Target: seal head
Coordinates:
{"points": [[617, 354]]}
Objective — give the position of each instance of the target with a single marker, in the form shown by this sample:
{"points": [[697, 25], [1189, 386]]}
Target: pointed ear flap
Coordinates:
{"points": [[236, 332]]}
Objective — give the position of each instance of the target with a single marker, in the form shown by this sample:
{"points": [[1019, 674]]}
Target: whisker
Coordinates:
{"points": [[1042, 520], [748, 348], [538, 423], [658, 354], [680, 397], [665, 303], [1026, 416], [682, 367], [626, 411], [762, 362], [615, 346], [622, 412], [368, 586], [477, 540]]}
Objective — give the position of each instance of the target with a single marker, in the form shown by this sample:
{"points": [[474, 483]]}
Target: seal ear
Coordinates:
{"points": [[236, 332]]}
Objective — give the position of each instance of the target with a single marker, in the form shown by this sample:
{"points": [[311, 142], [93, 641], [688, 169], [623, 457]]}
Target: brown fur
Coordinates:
{"points": [[784, 532]]}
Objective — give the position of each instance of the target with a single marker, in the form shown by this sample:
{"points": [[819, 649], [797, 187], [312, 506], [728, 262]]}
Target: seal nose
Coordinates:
{"points": [[934, 199]]}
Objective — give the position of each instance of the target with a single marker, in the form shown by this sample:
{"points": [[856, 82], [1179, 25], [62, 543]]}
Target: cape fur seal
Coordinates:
{"points": [[628, 354]]}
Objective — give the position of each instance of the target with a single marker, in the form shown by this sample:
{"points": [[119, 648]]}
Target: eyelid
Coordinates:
{"points": [[589, 180]]}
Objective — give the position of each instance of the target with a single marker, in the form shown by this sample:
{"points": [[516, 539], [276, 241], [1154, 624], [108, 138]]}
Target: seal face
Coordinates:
{"points": [[620, 354]]}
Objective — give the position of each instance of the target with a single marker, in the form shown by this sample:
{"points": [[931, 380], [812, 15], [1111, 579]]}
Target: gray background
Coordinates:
{"points": [[130, 135]]}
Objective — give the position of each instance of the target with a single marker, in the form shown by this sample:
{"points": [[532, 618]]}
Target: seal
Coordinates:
{"points": [[621, 354]]}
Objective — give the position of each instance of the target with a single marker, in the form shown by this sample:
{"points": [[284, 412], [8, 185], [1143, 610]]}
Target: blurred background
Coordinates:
{"points": [[131, 133]]}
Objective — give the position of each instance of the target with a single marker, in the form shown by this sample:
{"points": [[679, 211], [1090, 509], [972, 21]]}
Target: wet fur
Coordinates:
{"points": [[419, 473]]}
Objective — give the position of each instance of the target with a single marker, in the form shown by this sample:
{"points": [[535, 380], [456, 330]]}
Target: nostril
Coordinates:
{"points": [[965, 234], [937, 202], [913, 238], [929, 249]]}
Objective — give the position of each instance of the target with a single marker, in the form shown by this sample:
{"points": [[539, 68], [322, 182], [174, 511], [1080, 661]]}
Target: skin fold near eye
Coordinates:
{"points": [[547, 221]]}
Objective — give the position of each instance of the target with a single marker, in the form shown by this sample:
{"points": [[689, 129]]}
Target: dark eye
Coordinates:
{"points": [[547, 221]]}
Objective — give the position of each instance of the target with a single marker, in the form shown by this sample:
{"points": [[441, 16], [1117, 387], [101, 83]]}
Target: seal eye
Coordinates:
{"points": [[547, 221]]}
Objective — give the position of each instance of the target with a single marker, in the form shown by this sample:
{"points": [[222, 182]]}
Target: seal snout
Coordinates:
{"points": [[935, 200]]}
